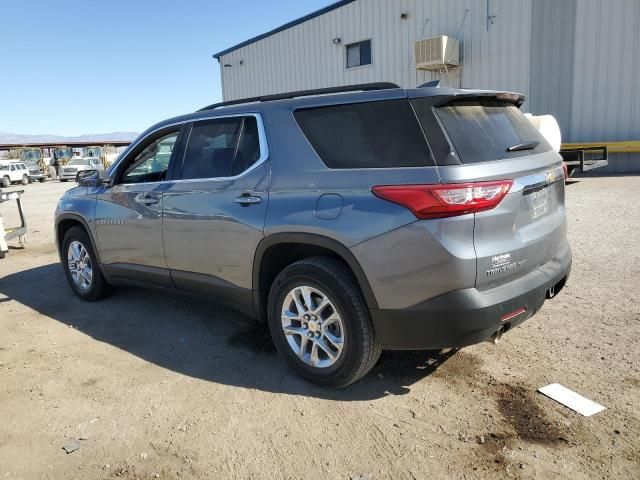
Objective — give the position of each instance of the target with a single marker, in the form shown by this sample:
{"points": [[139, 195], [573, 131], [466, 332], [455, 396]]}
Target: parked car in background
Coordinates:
{"points": [[35, 172], [14, 172], [76, 165], [351, 223]]}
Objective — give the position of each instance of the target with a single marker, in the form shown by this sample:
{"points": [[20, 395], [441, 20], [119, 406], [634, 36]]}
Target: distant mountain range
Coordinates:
{"points": [[97, 137]]}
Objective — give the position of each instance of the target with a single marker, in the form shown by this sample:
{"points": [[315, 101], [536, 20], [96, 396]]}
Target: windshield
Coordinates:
{"points": [[485, 130], [31, 155], [62, 153]]}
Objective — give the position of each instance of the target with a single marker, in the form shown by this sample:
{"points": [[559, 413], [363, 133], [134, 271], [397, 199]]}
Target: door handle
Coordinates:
{"points": [[149, 199], [246, 199]]}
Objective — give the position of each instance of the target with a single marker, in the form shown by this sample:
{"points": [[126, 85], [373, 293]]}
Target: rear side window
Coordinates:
{"points": [[485, 130], [383, 134], [224, 147]]}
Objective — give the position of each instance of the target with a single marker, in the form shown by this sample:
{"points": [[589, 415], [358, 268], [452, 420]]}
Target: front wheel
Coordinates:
{"points": [[320, 323], [81, 267]]}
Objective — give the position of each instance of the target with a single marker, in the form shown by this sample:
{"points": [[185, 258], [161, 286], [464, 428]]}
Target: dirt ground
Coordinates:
{"points": [[156, 386]]}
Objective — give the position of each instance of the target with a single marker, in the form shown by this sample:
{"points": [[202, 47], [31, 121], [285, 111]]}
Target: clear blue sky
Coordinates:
{"points": [[70, 67]]}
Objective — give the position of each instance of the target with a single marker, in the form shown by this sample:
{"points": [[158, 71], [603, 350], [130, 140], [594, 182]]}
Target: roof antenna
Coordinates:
{"points": [[431, 84]]}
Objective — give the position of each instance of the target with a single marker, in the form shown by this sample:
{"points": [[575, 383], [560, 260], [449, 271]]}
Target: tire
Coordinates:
{"points": [[6, 182], [98, 287], [25, 180], [41, 180], [63, 179], [360, 348]]}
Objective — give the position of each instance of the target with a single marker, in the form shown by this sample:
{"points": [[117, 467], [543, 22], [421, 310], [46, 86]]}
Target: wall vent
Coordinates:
{"points": [[437, 53]]}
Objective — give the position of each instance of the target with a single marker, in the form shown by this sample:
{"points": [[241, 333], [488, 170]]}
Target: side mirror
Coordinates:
{"points": [[85, 174], [93, 178]]}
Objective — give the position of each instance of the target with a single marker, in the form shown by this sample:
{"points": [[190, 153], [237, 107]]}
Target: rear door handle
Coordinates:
{"points": [[149, 199], [246, 199]]}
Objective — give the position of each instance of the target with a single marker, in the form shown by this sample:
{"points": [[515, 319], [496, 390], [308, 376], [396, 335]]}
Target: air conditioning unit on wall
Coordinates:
{"points": [[437, 53]]}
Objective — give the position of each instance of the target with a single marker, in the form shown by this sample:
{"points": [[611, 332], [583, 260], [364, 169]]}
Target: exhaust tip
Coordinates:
{"points": [[495, 338]]}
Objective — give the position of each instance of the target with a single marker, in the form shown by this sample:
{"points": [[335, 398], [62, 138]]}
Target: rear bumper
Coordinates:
{"points": [[469, 316]]}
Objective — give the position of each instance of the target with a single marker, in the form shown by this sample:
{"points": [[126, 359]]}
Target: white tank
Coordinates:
{"points": [[548, 126]]}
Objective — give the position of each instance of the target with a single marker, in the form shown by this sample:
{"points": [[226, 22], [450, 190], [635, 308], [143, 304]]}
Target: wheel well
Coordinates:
{"points": [[277, 257], [63, 228]]}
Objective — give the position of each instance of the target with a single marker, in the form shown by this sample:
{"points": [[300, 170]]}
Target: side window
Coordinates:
{"points": [[223, 147], [382, 134], [152, 163], [13, 168]]}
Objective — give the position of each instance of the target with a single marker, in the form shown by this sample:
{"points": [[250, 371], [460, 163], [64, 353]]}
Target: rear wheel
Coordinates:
{"points": [[81, 267], [320, 323], [6, 182], [25, 180]]}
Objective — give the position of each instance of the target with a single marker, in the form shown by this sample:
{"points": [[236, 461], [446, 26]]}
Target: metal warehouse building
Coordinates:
{"points": [[578, 60]]}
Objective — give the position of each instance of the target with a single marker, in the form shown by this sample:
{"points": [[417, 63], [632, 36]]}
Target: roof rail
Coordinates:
{"points": [[363, 87]]}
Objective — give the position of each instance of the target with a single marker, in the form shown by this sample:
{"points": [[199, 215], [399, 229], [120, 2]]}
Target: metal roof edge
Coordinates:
{"points": [[293, 23]]}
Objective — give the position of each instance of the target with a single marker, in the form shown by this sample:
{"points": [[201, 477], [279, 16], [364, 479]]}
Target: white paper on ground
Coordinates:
{"points": [[571, 399]]}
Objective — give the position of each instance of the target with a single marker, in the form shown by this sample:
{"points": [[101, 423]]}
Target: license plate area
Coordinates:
{"points": [[537, 200]]}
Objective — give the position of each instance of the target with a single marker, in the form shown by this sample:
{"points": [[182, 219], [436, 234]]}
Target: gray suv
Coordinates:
{"points": [[350, 220]]}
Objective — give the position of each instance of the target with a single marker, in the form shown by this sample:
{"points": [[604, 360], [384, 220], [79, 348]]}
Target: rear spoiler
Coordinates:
{"points": [[516, 99]]}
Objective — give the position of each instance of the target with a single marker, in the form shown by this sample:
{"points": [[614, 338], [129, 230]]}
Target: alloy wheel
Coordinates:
{"points": [[80, 265], [313, 327]]}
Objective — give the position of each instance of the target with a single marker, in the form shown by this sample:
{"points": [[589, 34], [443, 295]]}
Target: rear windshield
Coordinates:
{"points": [[485, 130], [383, 134]]}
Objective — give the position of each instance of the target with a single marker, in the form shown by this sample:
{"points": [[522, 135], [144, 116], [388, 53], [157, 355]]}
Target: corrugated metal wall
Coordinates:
{"points": [[305, 56], [552, 45], [606, 83], [576, 59]]}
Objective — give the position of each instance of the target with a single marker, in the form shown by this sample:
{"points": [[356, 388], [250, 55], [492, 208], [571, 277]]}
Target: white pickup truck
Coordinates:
{"points": [[13, 172]]}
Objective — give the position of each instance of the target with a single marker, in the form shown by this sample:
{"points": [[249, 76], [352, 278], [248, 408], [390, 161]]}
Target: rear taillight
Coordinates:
{"points": [[437, 201]]}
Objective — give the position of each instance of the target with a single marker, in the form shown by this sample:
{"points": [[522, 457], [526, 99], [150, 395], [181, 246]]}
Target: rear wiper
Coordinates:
{"points": [[526, 145]]}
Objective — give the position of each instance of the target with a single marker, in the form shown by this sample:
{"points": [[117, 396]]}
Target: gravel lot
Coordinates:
{"points": [[156, 386]]}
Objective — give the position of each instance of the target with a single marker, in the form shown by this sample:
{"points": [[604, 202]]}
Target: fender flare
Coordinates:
{"points": [[320, 241], [83, 222]]}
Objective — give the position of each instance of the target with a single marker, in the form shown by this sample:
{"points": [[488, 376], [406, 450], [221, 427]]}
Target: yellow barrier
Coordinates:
{"points": [[632, 146]]}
